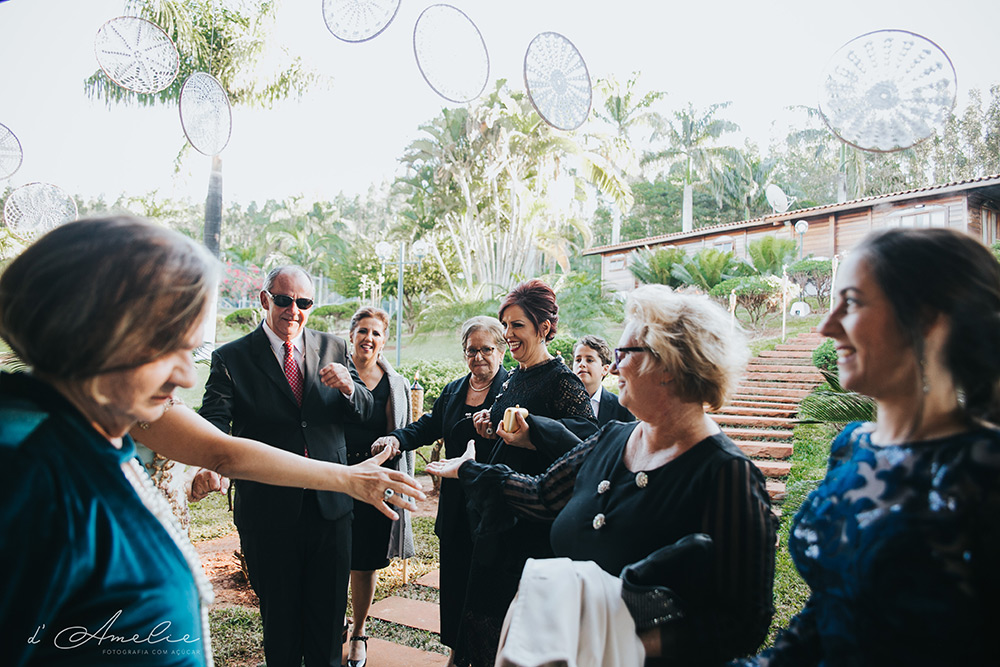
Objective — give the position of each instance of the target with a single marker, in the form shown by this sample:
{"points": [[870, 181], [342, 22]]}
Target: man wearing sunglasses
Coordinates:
{"points": [[292, 388]]}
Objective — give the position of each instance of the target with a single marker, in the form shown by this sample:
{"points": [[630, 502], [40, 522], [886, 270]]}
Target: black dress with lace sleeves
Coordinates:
{"points": [[549, 390]]}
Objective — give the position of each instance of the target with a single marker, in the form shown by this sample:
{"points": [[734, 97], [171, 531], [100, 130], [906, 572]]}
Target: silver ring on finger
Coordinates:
{"points": [[388, 493]]}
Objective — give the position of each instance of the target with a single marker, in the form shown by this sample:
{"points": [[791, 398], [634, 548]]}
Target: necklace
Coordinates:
{"points": [[475, 388]]}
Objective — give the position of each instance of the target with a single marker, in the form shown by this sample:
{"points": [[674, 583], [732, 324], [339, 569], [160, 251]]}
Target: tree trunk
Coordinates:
{"points": [[687, 215], [213, 208]]}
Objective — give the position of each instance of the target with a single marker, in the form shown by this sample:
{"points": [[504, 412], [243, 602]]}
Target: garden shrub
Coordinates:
{"points": [[434, 375], [818, 272], [562, 346], [825, 357], [243, 317], [757, 295]]}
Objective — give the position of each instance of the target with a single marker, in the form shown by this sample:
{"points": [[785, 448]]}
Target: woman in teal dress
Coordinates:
{"points": [[900, 543]]}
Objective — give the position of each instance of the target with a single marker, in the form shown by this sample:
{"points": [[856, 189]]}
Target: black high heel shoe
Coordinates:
{"points": [[363, 661]]}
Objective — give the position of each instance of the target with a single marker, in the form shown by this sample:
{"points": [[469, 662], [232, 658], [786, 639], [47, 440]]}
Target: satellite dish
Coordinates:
{"points": [[777, 198]]}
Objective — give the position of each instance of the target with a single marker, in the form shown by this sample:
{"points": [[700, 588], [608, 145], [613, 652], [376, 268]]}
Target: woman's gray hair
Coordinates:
{"points": [[102, 295], [690, 338], [490, 325]]}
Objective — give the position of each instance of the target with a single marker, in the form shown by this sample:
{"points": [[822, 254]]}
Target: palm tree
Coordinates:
{"points": [[657, 266], [690, 135], [227, 42], [480, 181], [708, 268], [624, 111], [741, 182]]}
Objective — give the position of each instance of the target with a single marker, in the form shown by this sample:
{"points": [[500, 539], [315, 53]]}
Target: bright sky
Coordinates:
{"points": [[764, 56]]}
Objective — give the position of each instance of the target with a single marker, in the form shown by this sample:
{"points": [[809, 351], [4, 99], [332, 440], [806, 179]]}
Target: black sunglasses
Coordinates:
{"points": [[620, 352], [284, 301]]}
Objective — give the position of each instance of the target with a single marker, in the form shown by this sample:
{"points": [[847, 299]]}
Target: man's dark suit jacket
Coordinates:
{"points": [[612, 410], [248, 395]]}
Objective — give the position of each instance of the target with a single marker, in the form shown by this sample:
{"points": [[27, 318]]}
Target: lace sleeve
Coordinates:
{"points": [[571, 398]]}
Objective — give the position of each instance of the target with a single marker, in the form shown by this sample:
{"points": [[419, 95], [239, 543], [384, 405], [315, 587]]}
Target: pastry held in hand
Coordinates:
{"points": [[510, 418]]}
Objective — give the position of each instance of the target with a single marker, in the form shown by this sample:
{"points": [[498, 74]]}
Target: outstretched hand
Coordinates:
{"points": [[449, 467], [368, 482]]}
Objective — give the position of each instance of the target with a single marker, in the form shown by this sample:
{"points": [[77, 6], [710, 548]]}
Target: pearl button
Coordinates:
{"points": [[603, 486], [641, 480], [598, 522]]}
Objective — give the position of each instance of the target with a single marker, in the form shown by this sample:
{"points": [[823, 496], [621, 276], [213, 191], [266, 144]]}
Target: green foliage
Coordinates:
{"points": [[996, 250], [656, 266], [237, 635], [445, 314], [434, 375], [333, 317], [833, 404], [769, 254], [583, 307], [224, 40], [708, 268], [562, 346], [243, 317], [755, 294], [211, 518], [818, 272], [824, 357], [9, 361]]}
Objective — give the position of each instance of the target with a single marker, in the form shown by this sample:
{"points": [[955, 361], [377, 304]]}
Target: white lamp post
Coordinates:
{"points": [[801, 227], [383, 249]]}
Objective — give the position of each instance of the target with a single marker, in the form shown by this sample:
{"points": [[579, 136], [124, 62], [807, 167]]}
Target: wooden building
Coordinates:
{"points": [[972, 206]]}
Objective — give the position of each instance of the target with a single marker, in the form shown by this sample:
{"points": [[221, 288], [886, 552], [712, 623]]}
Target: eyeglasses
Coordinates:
{"points": [[284, 301], [486, 351], [620, 352]]}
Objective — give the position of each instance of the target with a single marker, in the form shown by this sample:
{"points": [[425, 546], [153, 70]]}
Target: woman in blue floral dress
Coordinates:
{"points": [[900, 543]]}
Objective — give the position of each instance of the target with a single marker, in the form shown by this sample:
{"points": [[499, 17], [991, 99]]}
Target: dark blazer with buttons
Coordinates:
{"points": [[612, 410], [248, 395]]}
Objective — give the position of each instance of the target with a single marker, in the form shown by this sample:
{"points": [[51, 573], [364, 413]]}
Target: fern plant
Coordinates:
{"points": [[835, 405]]}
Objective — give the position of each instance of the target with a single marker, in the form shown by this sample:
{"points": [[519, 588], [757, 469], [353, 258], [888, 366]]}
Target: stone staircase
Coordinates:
{"points": [[760, 415]]}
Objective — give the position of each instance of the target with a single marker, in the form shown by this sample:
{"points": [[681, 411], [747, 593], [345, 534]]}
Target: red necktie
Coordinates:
{"points": [[293, 373]]}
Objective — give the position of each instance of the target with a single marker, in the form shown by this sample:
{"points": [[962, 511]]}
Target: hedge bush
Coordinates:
{"points": [[243, 317], [434, 375], [825, 357]]}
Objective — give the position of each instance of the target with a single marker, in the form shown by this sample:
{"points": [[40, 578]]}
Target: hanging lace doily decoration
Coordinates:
{"points": [[887, 90], [11, 154], [136, 54], [451, 53], [358, 20], [557, 81], [205, 113], [36, 208]]}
